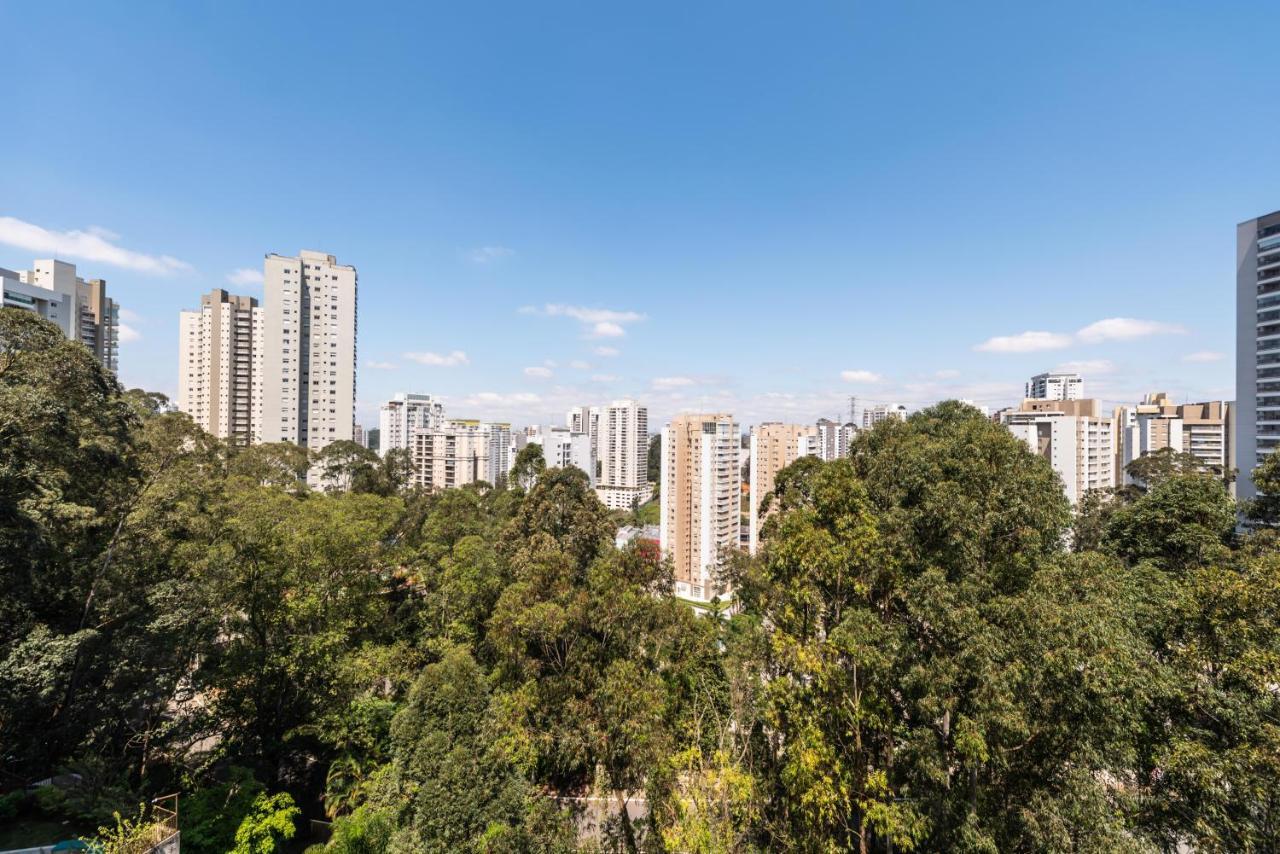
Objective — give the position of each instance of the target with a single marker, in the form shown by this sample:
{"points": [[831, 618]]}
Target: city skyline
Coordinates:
{"points": [[516, 266]]}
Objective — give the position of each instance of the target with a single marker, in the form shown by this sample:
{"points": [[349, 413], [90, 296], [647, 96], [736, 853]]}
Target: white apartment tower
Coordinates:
{"points": [[832, 439], [309, 356], [700, 499], [220, 366], [404, 415], [81, 309], [586, 419], [562, 446], [1075, 440], [1257, 403], [883, 412], [1055, 386], [623, 453]]}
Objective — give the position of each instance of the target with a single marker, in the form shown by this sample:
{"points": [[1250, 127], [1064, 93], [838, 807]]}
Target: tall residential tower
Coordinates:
{"points": [[1257, 404], [701, 499], [623, 452], [220, 366], [309, 350]]}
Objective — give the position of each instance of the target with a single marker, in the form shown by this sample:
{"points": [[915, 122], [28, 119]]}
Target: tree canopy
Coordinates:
{"points": [[930, 651]]}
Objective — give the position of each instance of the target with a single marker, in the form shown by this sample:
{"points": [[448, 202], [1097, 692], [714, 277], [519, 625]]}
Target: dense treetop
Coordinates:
{"points": [[931, 651]]}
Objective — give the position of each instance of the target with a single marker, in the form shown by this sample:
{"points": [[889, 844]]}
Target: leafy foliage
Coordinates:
{"points": [[928, 653]]}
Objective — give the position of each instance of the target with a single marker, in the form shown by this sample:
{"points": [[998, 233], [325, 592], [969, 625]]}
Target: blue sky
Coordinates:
{"points": [[760, 208]]}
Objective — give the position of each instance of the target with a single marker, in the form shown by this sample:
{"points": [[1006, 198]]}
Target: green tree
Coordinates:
{"points": [[654, 467], [280, 464], [269, 823], [1265, 508], [345, 465], [930, 658], [528, 466], [582, 642]]}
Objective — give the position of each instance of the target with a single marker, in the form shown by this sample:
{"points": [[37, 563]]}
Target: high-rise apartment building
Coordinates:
{"points": [[1257, 403], [451, 454], [833, 439], [1200, 429], [700, 499], [562, 446], [1055, 386], [883, 412], [81, 309], [623, 454], [404, 415], [309, 350], [775, 446], [586, 419], [220, 366], [1072, 436]]}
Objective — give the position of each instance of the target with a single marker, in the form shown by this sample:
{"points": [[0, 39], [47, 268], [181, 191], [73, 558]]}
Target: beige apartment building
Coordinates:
{"points": [[309, 350], [1072, 436], [623, 452], [775, 446], [220, 366], [453, 454], [700, 518], [1203, 430]]}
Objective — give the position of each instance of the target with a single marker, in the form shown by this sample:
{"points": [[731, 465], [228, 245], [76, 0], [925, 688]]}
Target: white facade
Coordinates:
{"points": [[79, 308], [586, 419], [309, 350], [220, 366], [563, 447], [832, 440], [623, 454], [405, 414], [1055, 386], [1256, 416], [883, 412], [1079, 447]]}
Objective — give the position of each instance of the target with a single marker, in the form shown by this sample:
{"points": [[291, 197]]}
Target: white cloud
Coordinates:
{"points": [[245, 276], [860, 376], [538, 373], [664, 383], [603, 378], [947, 374], [449, 360], [489, 254], [127, 333], [599, 322], [92, 244], [130, 315], [607, 352], [1204, 356], [579, 365], [1087, 366], [380, 366], [1025, 342], [1126, 329]]}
